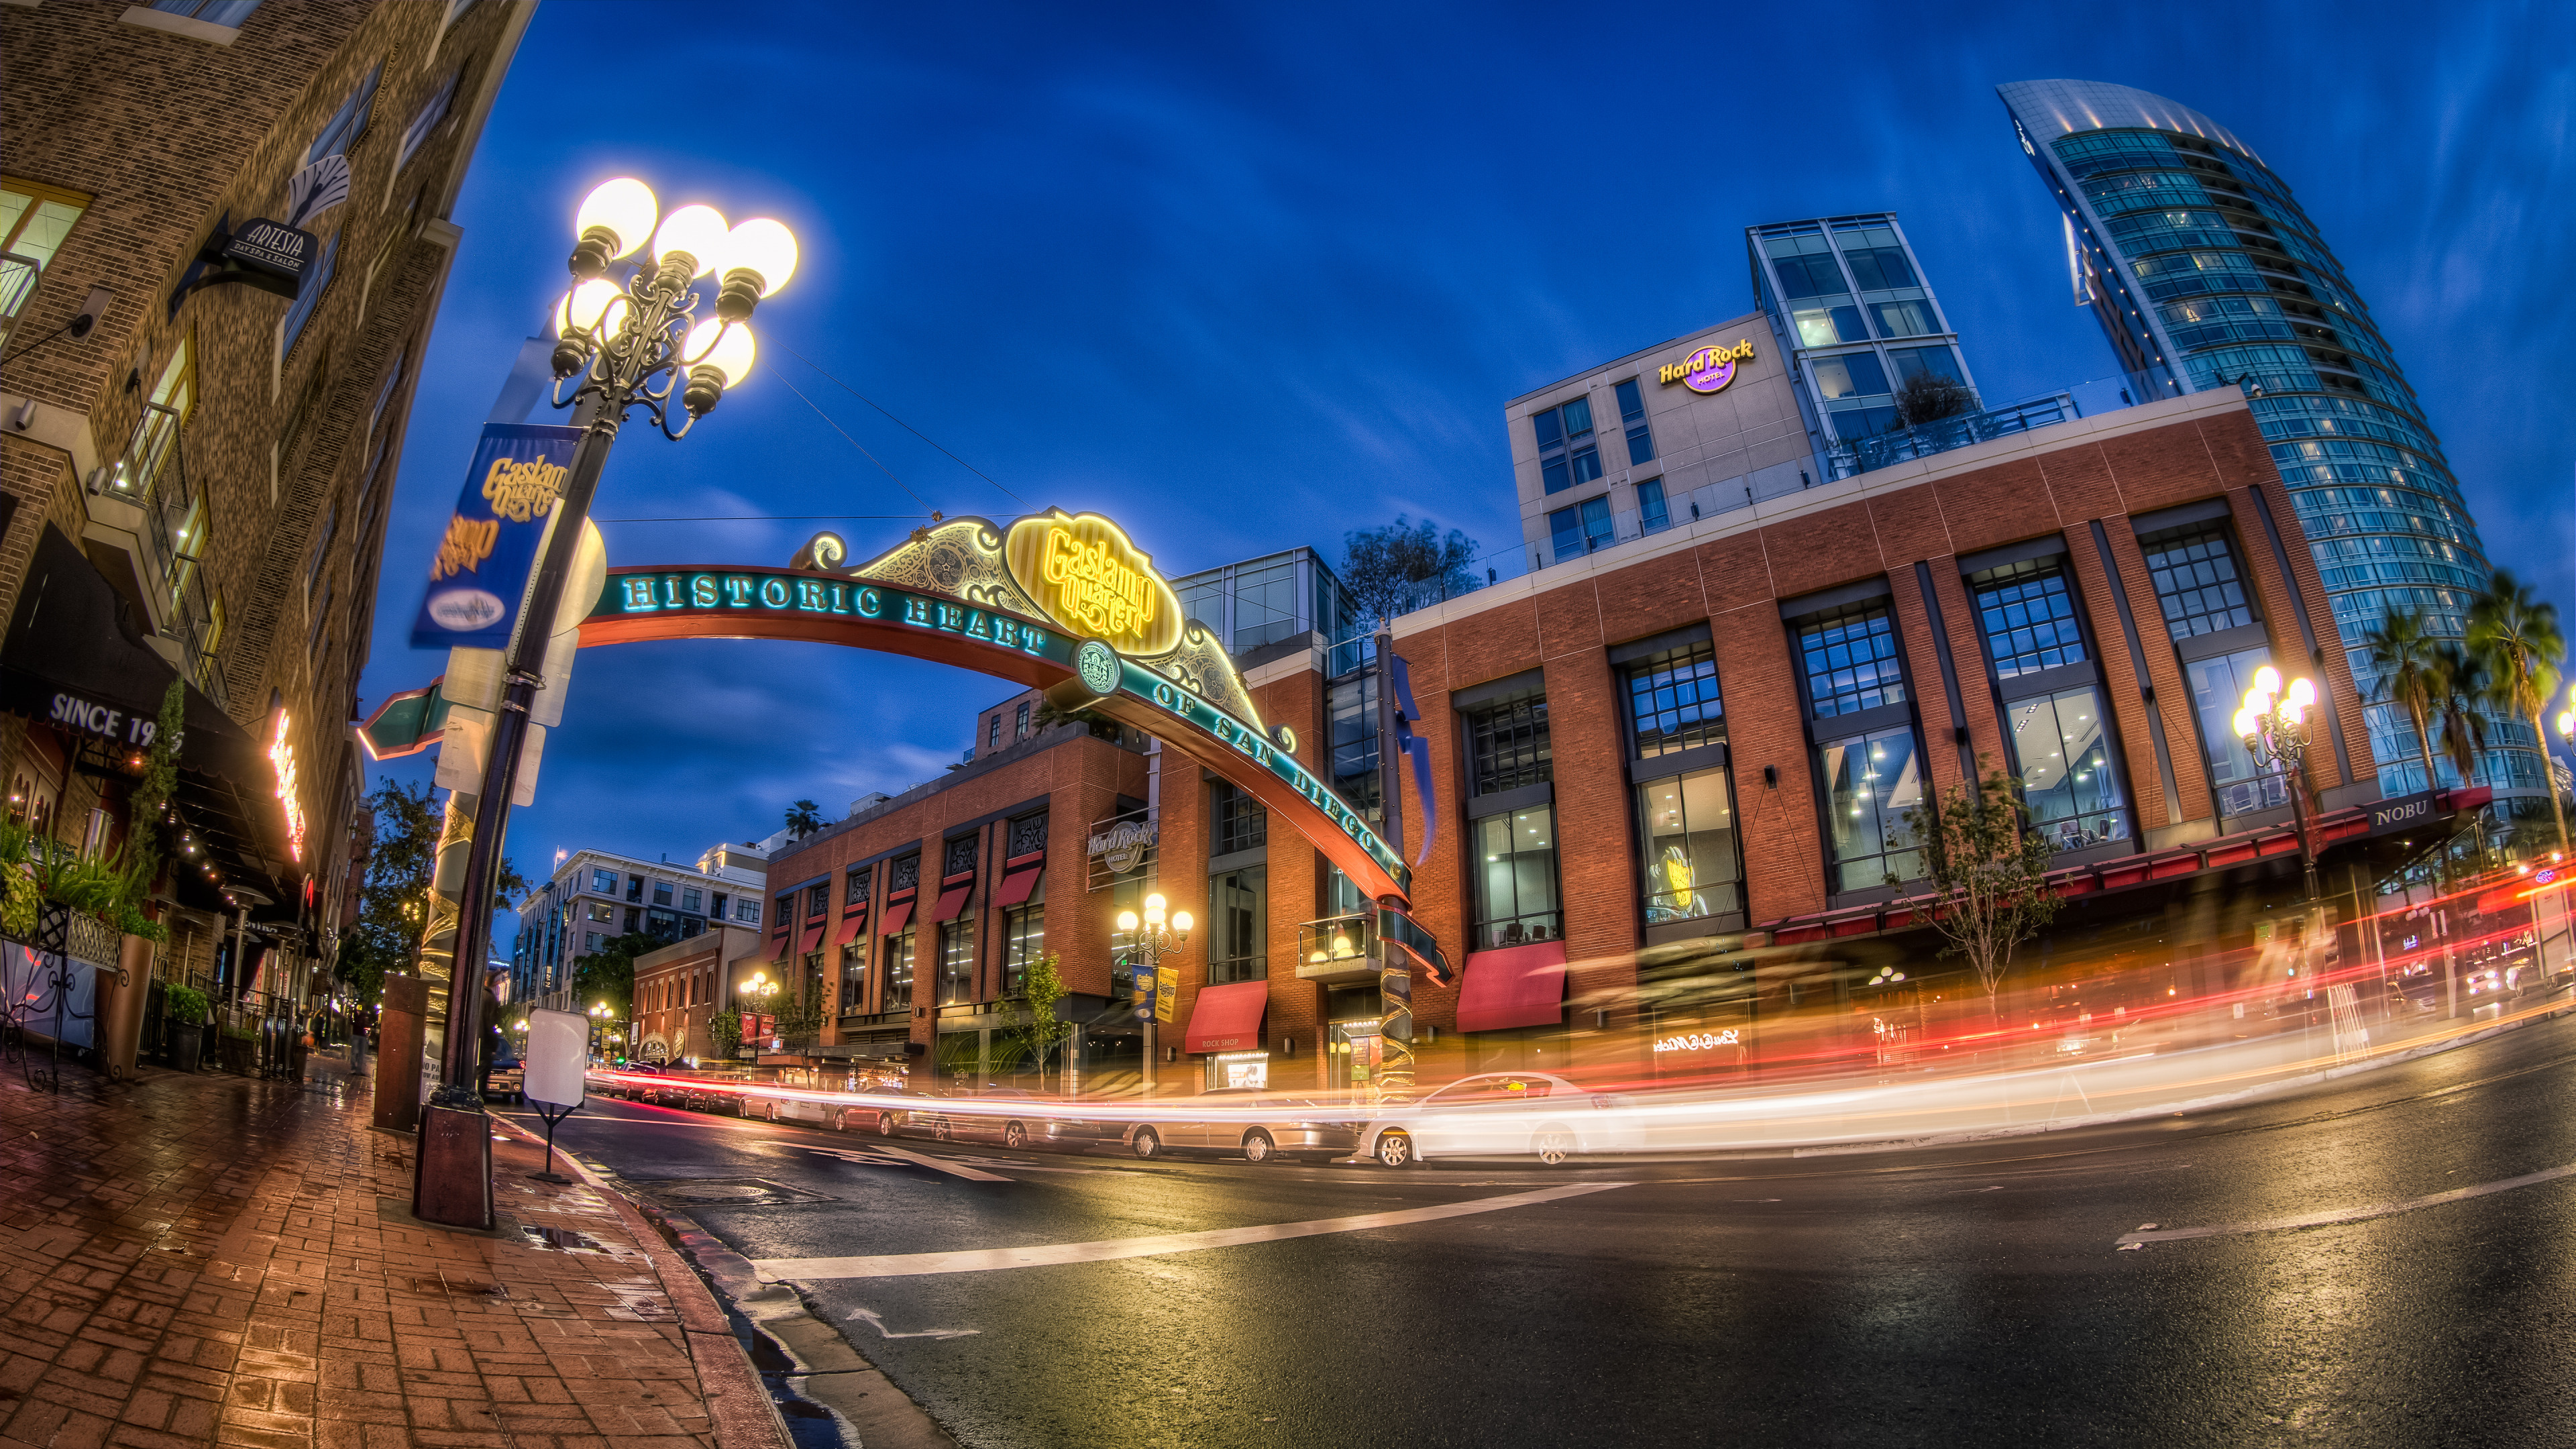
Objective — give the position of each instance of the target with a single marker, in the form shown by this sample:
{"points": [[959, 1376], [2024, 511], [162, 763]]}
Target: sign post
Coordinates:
{"points": [[558, 1054]]}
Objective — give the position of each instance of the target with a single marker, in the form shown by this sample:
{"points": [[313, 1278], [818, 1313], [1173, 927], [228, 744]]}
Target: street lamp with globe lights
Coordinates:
{"points": [[2273, 724], [603, 1017], [759, 988], [620, 346], [1159, 934]]}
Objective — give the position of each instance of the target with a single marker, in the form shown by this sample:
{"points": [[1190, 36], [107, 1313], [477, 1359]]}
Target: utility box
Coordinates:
{"points": [[400, 1024]]}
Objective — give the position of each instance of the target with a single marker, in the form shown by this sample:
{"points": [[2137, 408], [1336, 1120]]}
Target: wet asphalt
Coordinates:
{"points": [[1969, 1294]]}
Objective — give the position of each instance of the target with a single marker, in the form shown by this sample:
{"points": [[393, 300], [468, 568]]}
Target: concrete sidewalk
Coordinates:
{"points": [[212, 1260]]}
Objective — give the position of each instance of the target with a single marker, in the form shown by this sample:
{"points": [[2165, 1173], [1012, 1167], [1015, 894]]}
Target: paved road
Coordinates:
{"points": [[1966, 1295]]}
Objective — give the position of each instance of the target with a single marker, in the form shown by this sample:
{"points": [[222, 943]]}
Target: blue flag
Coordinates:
{"points": [[480, 574], [1418, 748]]}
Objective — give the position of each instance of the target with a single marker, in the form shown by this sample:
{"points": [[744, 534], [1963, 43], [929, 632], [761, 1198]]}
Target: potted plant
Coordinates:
{"points": [[184, 1007], [236, 1044]]}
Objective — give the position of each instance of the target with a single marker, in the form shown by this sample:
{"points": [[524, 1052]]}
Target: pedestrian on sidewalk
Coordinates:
{"points": [[358, 1053]]}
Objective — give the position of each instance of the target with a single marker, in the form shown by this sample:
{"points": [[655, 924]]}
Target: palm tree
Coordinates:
{"points": [[2522, 646], [2401, 654], [2461, 688], [804, 818]]}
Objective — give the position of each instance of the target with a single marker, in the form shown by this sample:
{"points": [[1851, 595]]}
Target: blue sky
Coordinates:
{"points": [[1247, 277]]}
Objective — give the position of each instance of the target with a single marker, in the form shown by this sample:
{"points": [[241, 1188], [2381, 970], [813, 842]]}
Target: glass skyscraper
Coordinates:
{"points": [[2205, 273]]}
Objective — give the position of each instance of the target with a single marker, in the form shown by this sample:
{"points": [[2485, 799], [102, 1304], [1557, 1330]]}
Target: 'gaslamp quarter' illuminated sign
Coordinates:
{"points": [[1087, 577], [1710, 369], [281, 757]]}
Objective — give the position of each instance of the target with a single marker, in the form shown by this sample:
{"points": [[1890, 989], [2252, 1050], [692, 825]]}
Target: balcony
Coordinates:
{"points": [[1925, 440], [1339, 949]]}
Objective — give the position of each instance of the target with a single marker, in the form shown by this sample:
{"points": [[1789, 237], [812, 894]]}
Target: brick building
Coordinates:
{"points": [[193, 481], [678, 987]]}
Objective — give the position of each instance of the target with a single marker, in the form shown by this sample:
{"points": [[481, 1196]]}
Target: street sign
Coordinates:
{"points": [[1167, 992]]}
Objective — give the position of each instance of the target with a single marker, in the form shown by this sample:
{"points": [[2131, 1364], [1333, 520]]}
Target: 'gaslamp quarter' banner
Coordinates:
{"points": [[479, 576]]}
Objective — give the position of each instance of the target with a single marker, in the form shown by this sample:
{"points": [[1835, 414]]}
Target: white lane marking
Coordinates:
{"points": [[873, 1320], [863, 1158], [2351, 1215], [983, 1260], [939, 1164]]}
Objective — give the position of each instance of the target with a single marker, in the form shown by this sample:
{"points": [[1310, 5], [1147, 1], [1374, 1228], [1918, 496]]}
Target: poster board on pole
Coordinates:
{"points": [[558, 1055]]}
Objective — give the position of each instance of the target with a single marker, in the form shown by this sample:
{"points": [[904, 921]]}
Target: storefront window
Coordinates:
{"points": [[1238, 1069], [957, 961], [2067, 780], [1024, 940], [1238, 916], [1516, 894], [898, 970], [1870, 782], [2218, 686], [1691, 862]]}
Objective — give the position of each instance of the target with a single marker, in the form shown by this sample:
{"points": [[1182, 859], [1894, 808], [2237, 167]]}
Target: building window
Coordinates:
{"points": [[2218, 686], [1672, 700], [156, 433], [898, 970], [1692, 866], [1239, 919], [661, 893], [1023, 941], [1567, 454], [1652, 515], [634, 919], [347, 123], [691, 899], [1354, 708], [1576, 531], [228, 13], [1516, 899], [33, 222], [993, 736], [635, 887], [855, 893], [786, 910], [300, 310], [2198, 584], [1906, 317], [430, 114], [2066, 775], [818, 899], [1241, 822], [601, 911], [1914, 362], [1507, 744], [1265, 605], [604, 881], [1632, 416], [2028, 616], [1876, 259], [590, 940], [746, 910], [1850, 656], [1850, 375], [1870, 782], [1021, 730], [1028, 837], [957, 961]]}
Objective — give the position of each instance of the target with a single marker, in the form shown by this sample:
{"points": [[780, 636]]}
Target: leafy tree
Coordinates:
{"points": [[1387, 569], [2518, 639], [1043, 986], [724, 1032], [804, 818], [608, 974], [1987, 868], [1928, 397], [1050, 714], [393, 904], [2401, 653], [2463, 690], [160, 777]]}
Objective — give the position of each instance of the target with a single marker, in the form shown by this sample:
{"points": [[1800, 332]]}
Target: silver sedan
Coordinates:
{"points": [[1244, 1122]]}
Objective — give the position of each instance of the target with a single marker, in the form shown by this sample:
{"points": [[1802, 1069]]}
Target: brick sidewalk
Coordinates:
{"points": [[208, 1259]]}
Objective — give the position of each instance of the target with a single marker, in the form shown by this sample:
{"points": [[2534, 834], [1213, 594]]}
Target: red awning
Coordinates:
{"points": [[895, 917], [813, 939], [1516, 986], [1016, 885], [951, 901], [1228, 1018], [850, 925]]}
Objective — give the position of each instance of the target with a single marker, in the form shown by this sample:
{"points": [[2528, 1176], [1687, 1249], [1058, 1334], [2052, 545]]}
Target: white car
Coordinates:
{"points": [[1503, 1114]]}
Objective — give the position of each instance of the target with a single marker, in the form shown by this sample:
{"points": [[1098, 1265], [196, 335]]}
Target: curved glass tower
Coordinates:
{"points": [[2204, 273]]}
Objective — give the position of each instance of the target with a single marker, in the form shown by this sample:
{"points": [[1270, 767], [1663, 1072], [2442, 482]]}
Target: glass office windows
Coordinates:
{"points": [[1023, 941], [2027, 616], [1870, 782], [1354, 708], [1574, 532], [1673, 701], [661, 893], [2198, 584], [1653, 515], [604, 881], [1507, 746], [957, 961], [898, 970], [1567, 454], [2067, 781], [1691, 862], [1265, 604], [1824, 326], [1905, 317], [1241, 822], [1876, 258], [1632, 416], [1850, 374], [1914, 362], [1805, 265], [1516, 898], [2218, 686], [693, 900], [1850, 657], [1239, 923]]}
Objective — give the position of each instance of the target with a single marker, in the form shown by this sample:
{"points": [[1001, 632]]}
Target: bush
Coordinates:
{"points": [[184, 1004]]}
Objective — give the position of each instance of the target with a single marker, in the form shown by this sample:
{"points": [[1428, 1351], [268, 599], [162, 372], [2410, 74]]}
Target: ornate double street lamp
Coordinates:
{"points": [[1147, 942], [603, 1018], [2274, 725], [648, 341], [759, 989]]}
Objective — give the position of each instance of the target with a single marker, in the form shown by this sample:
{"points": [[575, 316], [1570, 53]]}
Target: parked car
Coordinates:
{"points": [[1249, 1123], [845, 1117], [1037, 1125], [1502, 1114], [507, 1081]]}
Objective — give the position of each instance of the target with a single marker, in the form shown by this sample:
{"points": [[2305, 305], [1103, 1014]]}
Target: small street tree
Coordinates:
{"points": [[1385, 569], [724, 1033], [1988, 871], [608, 974], [1043, 985]]}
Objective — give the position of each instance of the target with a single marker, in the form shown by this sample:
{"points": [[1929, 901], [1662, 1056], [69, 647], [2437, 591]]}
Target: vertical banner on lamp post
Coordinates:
{"points": [[1167, 992], [479, 577]]}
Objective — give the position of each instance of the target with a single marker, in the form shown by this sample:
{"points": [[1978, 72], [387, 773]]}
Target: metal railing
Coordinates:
{"points": [[19, 276], [1337, 946], [1924, 440]]}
